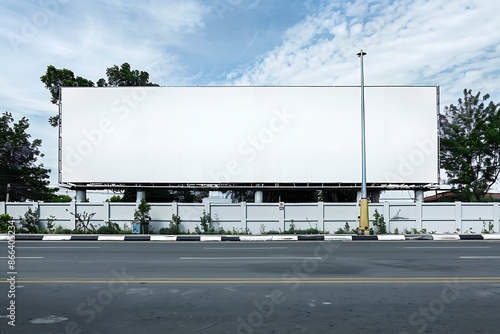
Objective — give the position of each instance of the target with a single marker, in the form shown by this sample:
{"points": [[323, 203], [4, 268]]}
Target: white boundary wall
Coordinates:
{"points": [[434, 217]]}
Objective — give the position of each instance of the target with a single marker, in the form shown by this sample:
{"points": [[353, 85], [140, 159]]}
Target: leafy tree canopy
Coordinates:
{"points": [[19, 169], [56, 78], [60, 199], [470, 145], [124, 76], [114, 198]]}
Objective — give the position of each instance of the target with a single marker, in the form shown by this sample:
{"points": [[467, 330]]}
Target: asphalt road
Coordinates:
{"points": [[237, 287]]}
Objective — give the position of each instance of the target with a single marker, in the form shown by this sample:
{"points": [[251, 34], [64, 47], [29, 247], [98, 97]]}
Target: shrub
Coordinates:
{"points": [[142, 216], [174, 226], [5, 221], [379, 222], [311, 230], [165, 230], [262, 229], [114, 198], [206, 222], [490, 228], [126, 229], [346, 230], [60, 230], [50, 223], [30, 223], [340, 231], [82, 222], [109, 228], [105, 230], [291, 229]]}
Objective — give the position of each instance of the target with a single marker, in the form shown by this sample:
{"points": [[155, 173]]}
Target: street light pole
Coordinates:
{"points": [[363, 217]]}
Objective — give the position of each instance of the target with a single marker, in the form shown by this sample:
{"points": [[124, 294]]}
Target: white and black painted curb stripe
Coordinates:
{"points": [[282, 237]]}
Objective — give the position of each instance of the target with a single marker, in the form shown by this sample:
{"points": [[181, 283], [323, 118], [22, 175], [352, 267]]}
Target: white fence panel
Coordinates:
{"points": [[121, 212], [438, 211], [477, 211], [345, 212]]}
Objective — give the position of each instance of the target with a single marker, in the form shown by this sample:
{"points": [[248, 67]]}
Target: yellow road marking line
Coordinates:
{"points": [[291, 280]]}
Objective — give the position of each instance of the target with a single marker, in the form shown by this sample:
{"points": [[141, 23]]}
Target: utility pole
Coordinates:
{"points": [[8, 193], [363, 217]]}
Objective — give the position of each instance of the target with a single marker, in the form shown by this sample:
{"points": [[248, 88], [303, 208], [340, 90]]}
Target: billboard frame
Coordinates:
{"points": [[252, 185]]}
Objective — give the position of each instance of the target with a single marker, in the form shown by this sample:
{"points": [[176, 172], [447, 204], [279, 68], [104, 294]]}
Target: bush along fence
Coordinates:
{"points": [[249, 218]]}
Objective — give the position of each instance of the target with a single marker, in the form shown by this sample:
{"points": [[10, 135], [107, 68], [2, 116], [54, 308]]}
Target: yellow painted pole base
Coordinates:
{"points": [[363, 217]]}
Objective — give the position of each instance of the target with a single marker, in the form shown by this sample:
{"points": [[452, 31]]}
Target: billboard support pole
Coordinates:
{"points": [[363, 220], [141, 195], [259, 196], [81, 195]]}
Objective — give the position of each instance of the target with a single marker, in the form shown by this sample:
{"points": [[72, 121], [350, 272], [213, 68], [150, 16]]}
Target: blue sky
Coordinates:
{"points": [[453, 44]]}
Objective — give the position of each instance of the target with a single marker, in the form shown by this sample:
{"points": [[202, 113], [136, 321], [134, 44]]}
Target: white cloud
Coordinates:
{"points": [[185, 16], [408, 43], [87, 37]]}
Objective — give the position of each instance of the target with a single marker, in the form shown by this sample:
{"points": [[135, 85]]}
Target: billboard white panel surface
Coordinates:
{"points": [[236, 135]]}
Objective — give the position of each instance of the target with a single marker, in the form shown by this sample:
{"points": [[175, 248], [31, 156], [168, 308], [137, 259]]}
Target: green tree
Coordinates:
{"points": [[114, 198], [20, 173], [142, 216], [470, 145], [379, 222], [5, 222], [55, 78], [30, 223], [125, 76], [60, 199]]}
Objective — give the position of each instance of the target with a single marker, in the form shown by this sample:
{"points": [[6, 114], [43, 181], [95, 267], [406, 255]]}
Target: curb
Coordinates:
{"points": [[248, 238]]}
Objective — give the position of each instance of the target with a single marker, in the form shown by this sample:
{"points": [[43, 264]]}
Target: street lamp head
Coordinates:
{"points": [[361, 53]]}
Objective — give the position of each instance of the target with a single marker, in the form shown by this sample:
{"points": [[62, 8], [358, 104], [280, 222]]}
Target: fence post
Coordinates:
{"points": [[386, 213], [458, 217], [107, 214], [36, 207], [72, 218], [282, 218], [496, 216], [243, 215], [418, 215], [321, 215], [175, 208]]}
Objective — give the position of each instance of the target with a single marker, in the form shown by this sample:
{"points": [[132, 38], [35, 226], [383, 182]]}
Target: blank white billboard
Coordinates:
{"points": [[236, 135]]}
